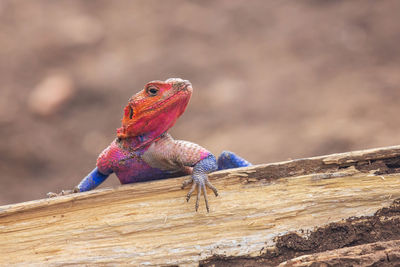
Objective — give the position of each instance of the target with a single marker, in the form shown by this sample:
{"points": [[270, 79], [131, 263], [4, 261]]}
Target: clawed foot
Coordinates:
{"points": [[63, 193], [201, 186]]}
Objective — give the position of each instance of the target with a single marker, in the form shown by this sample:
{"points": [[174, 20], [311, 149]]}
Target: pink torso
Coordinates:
{"points": [[163, 158]]}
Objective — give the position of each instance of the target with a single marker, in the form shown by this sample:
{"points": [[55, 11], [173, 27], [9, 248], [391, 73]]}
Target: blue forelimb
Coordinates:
{"points": [[229, 160], [92, 180], [206, 165]]}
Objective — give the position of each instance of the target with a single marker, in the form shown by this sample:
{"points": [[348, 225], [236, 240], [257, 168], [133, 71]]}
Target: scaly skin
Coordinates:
{"points": [[143, 150]]}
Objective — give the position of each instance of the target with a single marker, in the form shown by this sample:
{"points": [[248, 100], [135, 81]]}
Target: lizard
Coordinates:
{"points": [[144, 150]]}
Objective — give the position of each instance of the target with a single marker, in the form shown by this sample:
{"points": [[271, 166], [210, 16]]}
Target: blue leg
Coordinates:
{"points": [[229, 160], [200, 179], [92, 180]]}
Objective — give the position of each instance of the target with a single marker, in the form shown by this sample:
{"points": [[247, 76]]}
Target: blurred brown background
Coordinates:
{"points": [[273, 79]]}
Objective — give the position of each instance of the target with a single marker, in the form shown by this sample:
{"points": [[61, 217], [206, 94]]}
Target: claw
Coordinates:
{"points": [[63, 193], [212, 187], [51, 194], [189, 194], [201, 189]]}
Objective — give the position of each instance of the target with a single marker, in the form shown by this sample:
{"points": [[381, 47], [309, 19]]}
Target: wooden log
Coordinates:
{"points": [[151, 223], [373, 254]]}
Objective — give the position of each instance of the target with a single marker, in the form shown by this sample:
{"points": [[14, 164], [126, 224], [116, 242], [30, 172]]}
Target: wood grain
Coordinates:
{"points": [[373, 254], [151, 223]]}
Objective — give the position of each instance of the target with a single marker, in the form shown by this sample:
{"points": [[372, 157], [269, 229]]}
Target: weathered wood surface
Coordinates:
{"points": [[151, 223], [373, 254]]}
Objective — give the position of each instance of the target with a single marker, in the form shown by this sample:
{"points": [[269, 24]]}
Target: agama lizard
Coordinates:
{"points": [[143, 150]]}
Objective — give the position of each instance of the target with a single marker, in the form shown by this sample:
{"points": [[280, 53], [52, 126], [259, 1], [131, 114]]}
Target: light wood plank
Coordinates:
{"points": [[151, 223]]}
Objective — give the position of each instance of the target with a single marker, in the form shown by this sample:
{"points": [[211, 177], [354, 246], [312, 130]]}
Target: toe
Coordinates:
{"points": [[198, 197], [189, 194], [203, 187], [213, 188]]}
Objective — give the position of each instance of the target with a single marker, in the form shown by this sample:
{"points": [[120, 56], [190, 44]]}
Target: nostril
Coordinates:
{"points": [[182, 85]]}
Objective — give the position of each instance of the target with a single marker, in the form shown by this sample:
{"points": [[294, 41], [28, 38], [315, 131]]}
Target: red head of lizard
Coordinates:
{"points": [[155, 109]]}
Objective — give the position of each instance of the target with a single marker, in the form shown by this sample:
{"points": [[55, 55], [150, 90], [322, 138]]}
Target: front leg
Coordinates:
{"points": [[91, 181], [229, 160], [171, 155], [200, 179]]}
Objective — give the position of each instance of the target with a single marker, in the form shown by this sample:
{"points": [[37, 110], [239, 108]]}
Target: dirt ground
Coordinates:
{"points": [[272, 79]]}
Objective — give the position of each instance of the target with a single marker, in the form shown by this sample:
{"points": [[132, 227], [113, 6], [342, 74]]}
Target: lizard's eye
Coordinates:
{"points": [[152, 91], [130, 112]]}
